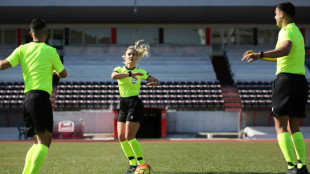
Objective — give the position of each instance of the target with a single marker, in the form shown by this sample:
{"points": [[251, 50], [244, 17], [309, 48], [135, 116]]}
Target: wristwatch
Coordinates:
{"points": [[261, 54], [129, 74]]}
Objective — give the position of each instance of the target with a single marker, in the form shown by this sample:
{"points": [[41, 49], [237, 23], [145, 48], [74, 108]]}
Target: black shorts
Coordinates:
{"points": [[38, 113], [131, 109], [289, 95]]}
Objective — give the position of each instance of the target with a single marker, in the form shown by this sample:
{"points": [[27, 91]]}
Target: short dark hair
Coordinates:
{"points": [[37, 25], [288, 8]]}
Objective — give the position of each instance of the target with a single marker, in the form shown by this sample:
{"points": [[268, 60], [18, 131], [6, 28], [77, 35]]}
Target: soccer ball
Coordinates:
{"points": [[144, 168]]}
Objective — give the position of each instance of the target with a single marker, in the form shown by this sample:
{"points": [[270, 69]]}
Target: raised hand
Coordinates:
{"points": [[152, 84], [250, 56]]}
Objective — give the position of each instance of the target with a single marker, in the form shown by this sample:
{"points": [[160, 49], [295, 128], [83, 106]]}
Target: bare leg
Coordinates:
{"points": [[44, 138], [131, 130], [121, 129], [281, 123], [293, 125]]}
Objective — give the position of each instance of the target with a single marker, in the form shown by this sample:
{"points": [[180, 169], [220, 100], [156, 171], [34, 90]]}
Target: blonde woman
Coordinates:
{"points": [[131, 110]]}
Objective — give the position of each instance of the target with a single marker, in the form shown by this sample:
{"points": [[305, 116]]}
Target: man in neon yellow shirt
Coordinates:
{"points": [[38, 62], [290, 89]]}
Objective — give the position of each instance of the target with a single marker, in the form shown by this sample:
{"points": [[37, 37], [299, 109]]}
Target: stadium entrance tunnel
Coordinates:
{"points": [[154, 123]]}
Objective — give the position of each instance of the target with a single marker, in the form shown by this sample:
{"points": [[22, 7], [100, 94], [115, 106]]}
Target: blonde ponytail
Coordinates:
{"points": [[142, 50]]}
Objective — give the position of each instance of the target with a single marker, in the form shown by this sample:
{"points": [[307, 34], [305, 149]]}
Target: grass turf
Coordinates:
{"points": [[164, 157]]}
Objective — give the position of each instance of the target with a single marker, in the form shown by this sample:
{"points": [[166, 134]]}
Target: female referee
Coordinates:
{"points": [[131, 110]]}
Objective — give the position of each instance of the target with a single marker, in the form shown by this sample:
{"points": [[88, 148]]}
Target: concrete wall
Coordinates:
{"points": [[94, 121], [177, 121], [264, 118], [202, 121]]}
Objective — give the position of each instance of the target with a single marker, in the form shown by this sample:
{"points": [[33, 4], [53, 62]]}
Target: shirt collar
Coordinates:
{"points": [[130, 69]]}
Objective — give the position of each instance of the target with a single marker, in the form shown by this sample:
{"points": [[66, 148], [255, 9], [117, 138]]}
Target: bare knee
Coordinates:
{"points": [[46, 141], [132, 128], [280, 130], [293, 125], [44, 138], [281, 123], [130, 137], [121, 137]]}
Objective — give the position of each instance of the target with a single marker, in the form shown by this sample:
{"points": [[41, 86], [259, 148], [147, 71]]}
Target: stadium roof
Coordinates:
{"points": [[147, 11]]}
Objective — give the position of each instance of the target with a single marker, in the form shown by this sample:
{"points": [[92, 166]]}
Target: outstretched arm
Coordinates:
{"points": [[272, 55], [116, 75], [153, 81], [4, 64]]}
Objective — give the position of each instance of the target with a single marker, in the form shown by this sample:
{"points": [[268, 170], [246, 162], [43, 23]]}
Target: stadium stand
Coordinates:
{"points": [[256, 95], [182, 63], [253, 80], [104, 95], [100, 67], [255, 71], [178, 95], [11, 94], [12, 74], [243, 71], [6, 50], [89, 85]]}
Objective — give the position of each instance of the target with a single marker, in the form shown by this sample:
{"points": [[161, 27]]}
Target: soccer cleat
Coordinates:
{"points": [[292, 171], [303, 170], [131, 169]]}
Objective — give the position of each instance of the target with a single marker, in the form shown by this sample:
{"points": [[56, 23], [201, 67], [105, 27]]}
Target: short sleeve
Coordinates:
{"points": [[146, 75], [57, 64], [14, 58], [117, 69]]}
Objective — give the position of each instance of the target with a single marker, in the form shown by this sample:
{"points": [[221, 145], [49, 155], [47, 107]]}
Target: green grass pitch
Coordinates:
{"points": [[165, 157]]}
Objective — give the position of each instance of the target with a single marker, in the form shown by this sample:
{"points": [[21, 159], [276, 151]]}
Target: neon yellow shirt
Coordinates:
{"points": [[294, 62], [128, 86], [37, 61]]}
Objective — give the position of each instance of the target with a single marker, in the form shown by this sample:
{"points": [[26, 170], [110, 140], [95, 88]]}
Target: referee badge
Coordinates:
{"points": [[133, 81]]}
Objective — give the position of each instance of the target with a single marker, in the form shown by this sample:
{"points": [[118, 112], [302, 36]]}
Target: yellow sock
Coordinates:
{"points": [[129, 153], [299, 144], [136, 148], [38, 158], [28, 159], [286, 147]]}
